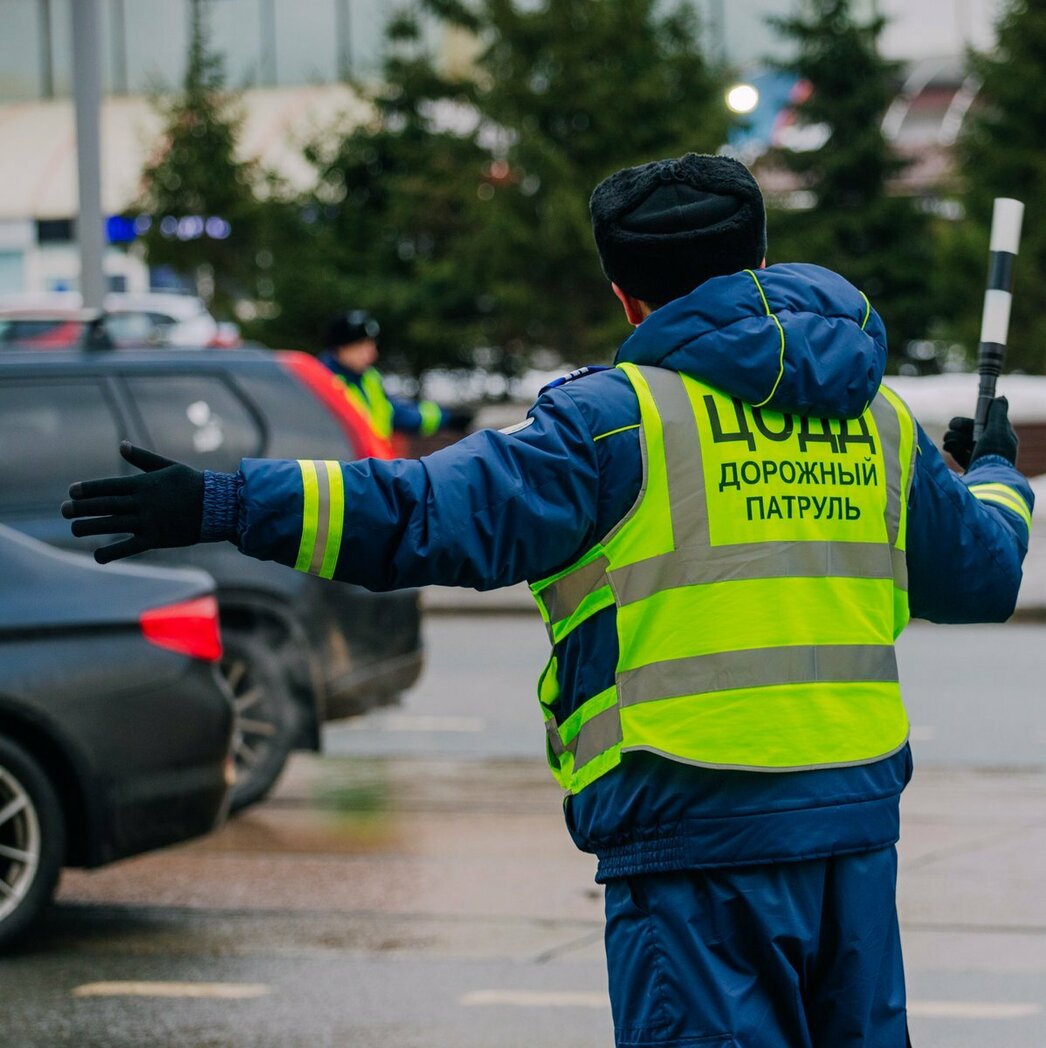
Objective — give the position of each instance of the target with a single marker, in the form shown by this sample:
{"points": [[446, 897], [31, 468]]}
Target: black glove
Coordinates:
{"points": [[160, 508], [457, 420], [998, 437]]}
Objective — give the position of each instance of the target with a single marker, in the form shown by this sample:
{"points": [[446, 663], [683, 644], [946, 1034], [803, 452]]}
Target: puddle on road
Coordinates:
{"points": [[353, 800], [329, 806], [364, 835]]}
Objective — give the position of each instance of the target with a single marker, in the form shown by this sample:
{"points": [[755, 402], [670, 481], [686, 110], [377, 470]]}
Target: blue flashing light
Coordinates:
{"points": [[120, 230]]}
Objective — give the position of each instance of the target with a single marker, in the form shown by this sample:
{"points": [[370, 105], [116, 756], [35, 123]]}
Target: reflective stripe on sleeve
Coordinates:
{"points": [[323, 516], [431, 417], [309, 514], [336, 519], [1005, 496]]}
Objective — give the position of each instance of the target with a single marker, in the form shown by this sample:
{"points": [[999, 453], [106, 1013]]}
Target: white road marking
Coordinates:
{"points": [[532, 999], [218, 991], [972, 1009]]}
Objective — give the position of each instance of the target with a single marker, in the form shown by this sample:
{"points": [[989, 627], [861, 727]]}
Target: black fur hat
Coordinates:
{"points": [[663, 228], [345, 329]]}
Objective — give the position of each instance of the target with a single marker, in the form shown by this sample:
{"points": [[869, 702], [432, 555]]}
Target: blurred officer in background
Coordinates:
{"points": [[724, 533], [350, 351]]}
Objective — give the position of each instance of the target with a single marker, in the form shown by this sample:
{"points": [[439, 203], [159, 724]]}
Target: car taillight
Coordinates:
{"points": [[226, 336], [327, 388], [189, 627]]}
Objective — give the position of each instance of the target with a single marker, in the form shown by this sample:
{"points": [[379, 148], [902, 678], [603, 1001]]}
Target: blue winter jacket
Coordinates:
{"points": [[501, 507]]}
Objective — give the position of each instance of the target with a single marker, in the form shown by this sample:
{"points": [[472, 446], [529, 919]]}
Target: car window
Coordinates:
{"points": [[52, 433], [131, 329], [196, 419], [139, 328]]}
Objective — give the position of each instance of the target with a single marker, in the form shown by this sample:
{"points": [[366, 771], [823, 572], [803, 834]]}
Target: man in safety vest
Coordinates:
{"points": [[351, 349], [725, 533]]}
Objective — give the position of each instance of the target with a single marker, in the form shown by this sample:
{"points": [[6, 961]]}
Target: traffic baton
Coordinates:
{"points": [[1007, 216]]}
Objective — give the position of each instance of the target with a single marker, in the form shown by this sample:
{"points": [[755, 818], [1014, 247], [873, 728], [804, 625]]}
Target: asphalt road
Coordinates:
{"points": [[415, 888]]}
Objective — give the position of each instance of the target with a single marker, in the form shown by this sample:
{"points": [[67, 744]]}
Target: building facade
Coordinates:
{"points": [[292, 60], [279, 43]]}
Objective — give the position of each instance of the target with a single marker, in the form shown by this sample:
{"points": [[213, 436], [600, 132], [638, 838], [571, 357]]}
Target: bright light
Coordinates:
{"points": [[742, 98]]}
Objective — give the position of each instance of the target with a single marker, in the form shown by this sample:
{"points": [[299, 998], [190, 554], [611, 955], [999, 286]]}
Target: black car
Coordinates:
{"points": [[115, 723], [299, 650]]}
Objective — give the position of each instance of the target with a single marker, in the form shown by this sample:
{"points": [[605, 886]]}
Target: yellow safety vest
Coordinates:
{"points": [[372, 402], [759, 583]]}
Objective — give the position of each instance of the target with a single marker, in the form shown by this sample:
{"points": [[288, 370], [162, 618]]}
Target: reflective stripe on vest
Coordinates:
{"points": [[758, 583]]}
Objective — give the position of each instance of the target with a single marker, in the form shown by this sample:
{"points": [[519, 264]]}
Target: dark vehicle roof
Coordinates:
{"points": [[45, 587], [289, 419]]}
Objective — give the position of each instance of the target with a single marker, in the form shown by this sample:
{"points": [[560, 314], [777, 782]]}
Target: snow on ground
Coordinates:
{"points": [[935, 399]]}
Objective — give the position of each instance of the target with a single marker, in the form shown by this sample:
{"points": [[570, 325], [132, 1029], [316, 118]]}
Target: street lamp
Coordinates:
{"points": [[742, 98], [87, 92]]}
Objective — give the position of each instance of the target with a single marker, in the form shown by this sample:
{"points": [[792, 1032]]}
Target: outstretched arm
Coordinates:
{"points": [[426, 417], [163, 506], [967, 536], [491, 510]]}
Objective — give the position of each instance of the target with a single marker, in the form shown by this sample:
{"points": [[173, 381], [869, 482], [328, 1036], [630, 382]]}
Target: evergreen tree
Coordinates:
{"points": [[1002, 156], [583, 87], [460, 214], [206, 220], [390, 218], [878, 240]]}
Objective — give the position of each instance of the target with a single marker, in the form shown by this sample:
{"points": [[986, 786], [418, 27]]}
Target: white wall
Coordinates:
{"points": [[51, 267]]}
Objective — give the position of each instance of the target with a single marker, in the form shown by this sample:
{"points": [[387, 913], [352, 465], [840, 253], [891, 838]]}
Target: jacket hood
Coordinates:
{"points": [[795, 338]]}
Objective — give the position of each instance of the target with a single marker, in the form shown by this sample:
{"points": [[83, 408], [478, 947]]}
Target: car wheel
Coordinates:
{"points": [[265, 715], [32, 840]]}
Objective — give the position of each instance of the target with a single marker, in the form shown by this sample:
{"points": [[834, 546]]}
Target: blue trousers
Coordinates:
{"points": [[793, 955]]}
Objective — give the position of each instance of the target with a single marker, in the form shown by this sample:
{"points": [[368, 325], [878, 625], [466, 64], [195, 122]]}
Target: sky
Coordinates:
{"points": [[917, 28]]}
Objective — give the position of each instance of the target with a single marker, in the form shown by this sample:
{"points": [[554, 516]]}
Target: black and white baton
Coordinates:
{"points": [[1007, 216]]}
